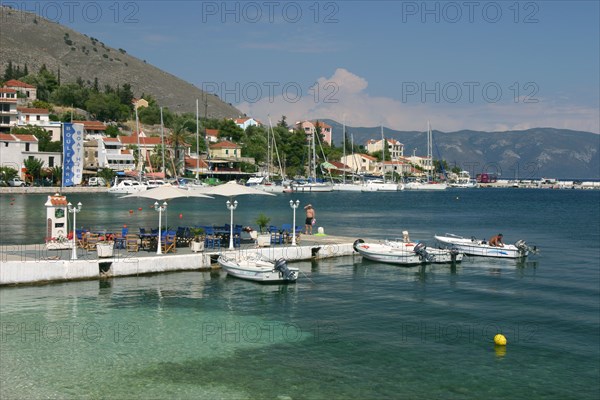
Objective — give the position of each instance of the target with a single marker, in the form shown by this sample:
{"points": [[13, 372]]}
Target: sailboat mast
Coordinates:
{"points": [[140, 161], [197, 140], [344, 144], [383, 144], [162, 142], [429, 152]]}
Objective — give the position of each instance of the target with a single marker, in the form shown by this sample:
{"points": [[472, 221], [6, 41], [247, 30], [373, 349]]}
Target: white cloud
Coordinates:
{"points": [[344, 95]]}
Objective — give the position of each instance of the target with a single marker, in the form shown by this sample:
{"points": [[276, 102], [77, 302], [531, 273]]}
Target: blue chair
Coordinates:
{"points": [[211, 240]]}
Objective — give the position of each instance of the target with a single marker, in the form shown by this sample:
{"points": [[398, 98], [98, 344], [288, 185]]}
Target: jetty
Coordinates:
{"points": [[36, 264]]}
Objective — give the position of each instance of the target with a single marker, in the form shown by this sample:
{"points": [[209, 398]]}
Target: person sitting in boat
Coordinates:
{"points": [[496, 241]]}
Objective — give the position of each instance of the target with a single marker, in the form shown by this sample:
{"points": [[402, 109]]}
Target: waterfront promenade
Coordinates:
{"points": [[33, 264]]}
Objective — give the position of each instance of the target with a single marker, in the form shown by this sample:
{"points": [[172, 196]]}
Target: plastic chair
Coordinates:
{"points": [[131, 242], [168, 243]]}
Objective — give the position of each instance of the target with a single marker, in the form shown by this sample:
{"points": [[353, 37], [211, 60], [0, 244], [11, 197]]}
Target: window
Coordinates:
{"points": [[26, 146], [38, 117], [50, 161]]}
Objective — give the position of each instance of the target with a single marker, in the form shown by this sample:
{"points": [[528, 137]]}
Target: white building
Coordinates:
{"points": [[39, 117], [15, 149], [8, 109], [395, 148], [246, 122], [28, 92], [114, 155], [361, 163]]}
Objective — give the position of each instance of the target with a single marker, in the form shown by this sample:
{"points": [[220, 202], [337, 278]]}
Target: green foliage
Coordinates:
{"points": [[34, 167], [45, 82], [440, 166], [151, 115], [44, 137], [7, 173], [112, 131], [72, 94], [43, 104], [107, 107], [106, 173], [56, 174], [14, 72], [262, 221]]}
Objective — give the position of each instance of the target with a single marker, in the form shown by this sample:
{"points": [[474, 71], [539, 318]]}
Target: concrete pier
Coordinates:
{"points": [[34, 264]]}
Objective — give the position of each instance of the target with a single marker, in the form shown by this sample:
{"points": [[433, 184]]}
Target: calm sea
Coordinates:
{"points": [[349, 329]]}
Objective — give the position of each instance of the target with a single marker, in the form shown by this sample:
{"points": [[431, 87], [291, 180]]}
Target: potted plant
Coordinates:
{"points": [[197, 243], [264, 239]]}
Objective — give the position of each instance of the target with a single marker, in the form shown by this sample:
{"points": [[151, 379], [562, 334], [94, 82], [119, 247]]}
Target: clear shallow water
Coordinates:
{"points": [[353, 330]]}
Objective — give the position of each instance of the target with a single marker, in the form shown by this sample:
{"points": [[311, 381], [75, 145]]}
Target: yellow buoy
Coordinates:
{"points": [[500, 340]]}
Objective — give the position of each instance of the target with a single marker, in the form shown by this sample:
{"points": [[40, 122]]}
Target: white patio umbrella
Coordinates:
{"points": [[231, 189], [163, 193]]}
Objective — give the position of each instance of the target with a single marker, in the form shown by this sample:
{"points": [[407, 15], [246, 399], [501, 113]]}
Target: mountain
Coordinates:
{"points": [[528, 154], [28, 39]]}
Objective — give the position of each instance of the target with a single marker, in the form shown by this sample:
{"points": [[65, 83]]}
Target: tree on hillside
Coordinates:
{"points": [[106, 107], [282, 123], [44, 137], [70, 94], [45, 82]]}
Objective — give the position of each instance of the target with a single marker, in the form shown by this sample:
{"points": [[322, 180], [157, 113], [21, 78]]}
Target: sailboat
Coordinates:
{"points": [[265, 182], [311, 185], [345, 186], [429, 184], [380, 185]]}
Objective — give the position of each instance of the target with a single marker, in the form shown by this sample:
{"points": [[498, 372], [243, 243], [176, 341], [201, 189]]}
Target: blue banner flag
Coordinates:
{"points": [[72, 154]]}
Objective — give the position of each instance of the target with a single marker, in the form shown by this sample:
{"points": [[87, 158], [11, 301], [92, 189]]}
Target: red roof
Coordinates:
{"points": [[368, 157], [26, 138], [321, 124], [212, 132], [17, 83], [92, 125], [144, 141], [193, 163], [225, 145], [7, 90], [58, 200], [111, 140], [5, 137], [26, 110]]}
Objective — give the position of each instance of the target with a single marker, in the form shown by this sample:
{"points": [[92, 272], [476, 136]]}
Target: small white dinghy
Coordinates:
{"points": [[255, 267], [401, 253], [476, 247]]}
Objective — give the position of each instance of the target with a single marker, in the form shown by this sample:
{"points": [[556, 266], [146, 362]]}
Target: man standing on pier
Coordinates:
{"points": [[310, 219]]}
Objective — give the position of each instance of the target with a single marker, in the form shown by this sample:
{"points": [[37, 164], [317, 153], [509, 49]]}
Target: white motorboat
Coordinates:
{"points": [[379, 185], [255, 267], [475, 247], [304, 186], [127, 186], [401, 253]]}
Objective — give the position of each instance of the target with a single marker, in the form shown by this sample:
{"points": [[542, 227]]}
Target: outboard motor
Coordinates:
{"points": [[356, 243], [421, 250], [281, 266]]}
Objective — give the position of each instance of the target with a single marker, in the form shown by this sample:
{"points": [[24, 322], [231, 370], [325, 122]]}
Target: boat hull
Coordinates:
{"points": [[476, 247], [394, 253], [254, 269], [312, 187]]}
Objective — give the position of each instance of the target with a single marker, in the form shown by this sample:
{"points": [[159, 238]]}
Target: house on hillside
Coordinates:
{"points": [[310, 127], [361, 163], [246, 122], [8, 109], [139, 103], [395, 148], [212, 135], [114, 155], [92, 129], [39, 117], [225, 149], [27, 92]]}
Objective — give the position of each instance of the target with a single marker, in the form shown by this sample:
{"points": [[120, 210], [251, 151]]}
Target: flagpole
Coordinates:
{"points": [[162, 143], [197, 142], [137, 127]]}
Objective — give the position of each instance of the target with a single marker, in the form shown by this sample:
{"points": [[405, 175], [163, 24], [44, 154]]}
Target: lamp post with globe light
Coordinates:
{"points": [[231, 207], [160, 208], [294, 205], [74, 211]]}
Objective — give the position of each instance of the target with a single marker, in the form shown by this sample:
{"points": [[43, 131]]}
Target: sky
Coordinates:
{"points": [[480, 65]]}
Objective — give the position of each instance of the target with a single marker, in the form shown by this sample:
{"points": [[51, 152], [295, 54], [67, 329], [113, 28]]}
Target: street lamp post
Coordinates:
{"points": [[74, 211], [231, 206], [160, 209], [294, 205]]}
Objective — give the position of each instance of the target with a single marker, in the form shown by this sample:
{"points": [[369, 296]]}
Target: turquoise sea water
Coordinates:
{"points": [[348, 329]]}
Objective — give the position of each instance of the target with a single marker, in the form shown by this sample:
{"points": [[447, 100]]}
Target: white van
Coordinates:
{"points": [[96, 181]]}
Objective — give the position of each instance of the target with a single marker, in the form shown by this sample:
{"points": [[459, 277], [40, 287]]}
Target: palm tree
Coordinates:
{"points": [[34, 167], [178, 138]]}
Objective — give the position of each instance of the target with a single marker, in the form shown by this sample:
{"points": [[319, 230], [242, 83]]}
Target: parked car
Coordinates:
{"points": [[16, 182], [96, 181]]}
